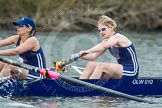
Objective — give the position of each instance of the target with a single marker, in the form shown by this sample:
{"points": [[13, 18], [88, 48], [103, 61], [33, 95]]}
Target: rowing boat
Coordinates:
{"points": [[145, 86], [62, 85]]}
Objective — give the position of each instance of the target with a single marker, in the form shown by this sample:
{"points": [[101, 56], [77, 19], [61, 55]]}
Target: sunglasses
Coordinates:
{"points": [[27, 25], [103, 29]]}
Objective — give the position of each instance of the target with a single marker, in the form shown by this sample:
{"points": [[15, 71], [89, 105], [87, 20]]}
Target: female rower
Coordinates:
{"points": [[27, 47], [119, 46]]}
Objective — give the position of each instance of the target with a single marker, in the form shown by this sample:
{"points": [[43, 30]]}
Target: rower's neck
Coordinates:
{"points": [[24, 37]]}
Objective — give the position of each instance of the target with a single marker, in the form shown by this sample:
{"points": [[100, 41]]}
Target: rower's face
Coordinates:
{"points": [[22, 30], [104, 31]]}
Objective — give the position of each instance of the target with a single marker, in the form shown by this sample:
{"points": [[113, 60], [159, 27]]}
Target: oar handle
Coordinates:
{"points": [[66, 62], [76, 57]]}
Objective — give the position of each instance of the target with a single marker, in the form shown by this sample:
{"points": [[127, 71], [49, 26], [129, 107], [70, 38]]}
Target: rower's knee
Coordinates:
{"points": [[102, 66], [105, 70], [91, 63], [6, 70]]}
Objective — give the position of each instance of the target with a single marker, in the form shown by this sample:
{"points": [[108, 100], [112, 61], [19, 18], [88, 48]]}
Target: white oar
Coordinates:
{"points": [[55, 75]]}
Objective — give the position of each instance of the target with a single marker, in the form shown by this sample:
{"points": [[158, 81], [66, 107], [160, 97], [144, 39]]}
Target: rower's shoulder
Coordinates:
{"points": [[32, 39], [119, 35]]}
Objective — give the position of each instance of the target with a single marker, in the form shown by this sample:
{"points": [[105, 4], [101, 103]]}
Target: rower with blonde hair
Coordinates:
{"points": [[119, 46]]}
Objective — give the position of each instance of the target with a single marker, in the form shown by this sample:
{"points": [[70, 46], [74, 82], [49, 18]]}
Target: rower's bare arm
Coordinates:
{"points": [[26, 46], [9, 41], [92, 56], [105, 44], [98, 48], [110, 42]]}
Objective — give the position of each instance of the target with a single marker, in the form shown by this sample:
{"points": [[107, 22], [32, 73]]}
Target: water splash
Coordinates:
{"points": [[7, 87]]}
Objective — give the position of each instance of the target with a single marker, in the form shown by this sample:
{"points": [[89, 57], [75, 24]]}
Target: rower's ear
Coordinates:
{"points": [[29, 29]]}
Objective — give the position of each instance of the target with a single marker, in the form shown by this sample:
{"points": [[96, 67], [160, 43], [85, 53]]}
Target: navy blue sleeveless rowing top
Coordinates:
{"points": [[127, 57], [34, 58]]}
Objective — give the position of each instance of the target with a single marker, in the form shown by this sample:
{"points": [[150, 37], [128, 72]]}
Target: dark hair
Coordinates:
{"points": [[33, 32]]}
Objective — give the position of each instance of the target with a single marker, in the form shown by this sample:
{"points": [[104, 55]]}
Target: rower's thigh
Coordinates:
{"points": [[114, 70], [88, 70]]}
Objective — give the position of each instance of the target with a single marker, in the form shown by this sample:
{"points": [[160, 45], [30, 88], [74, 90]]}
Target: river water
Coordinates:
{"points": [[60, 45]]}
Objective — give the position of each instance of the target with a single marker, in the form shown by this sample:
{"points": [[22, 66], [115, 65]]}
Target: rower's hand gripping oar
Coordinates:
{"points": [[60, 65], [56, 75]]}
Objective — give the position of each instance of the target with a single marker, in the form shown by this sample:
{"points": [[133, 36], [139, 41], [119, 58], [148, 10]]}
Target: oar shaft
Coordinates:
{"points": [[22, 65], [106, 90], [44, 72], [76, 57], [66, 63]]}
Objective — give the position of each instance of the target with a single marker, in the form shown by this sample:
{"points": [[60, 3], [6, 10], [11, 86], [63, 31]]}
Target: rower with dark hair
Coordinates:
{"points": [[27, 47]]}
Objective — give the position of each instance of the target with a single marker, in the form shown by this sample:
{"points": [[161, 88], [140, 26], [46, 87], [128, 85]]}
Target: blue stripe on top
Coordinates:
{"points": [[127, 57], [34, 58]]}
